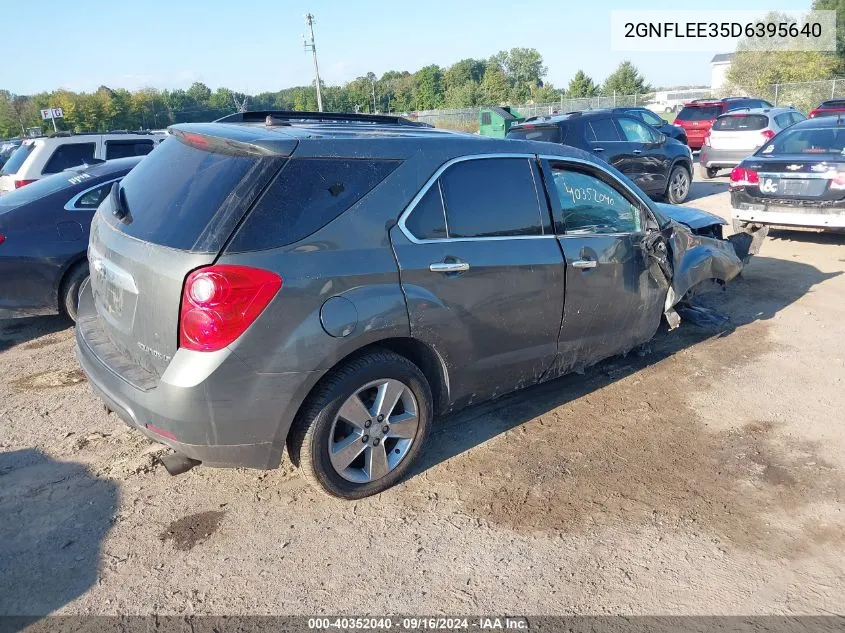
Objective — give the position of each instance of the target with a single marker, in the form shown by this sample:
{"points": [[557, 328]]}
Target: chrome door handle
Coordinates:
{"points": [[638, 151], [449, 267], [598, 149], [585, 263]]}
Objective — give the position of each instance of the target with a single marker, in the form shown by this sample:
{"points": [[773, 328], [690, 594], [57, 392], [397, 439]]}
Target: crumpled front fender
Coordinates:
{"points": [[688, 259]]}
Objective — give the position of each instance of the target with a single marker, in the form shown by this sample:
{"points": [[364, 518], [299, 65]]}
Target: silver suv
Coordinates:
{"points": [[332, 282], [740, 133]]}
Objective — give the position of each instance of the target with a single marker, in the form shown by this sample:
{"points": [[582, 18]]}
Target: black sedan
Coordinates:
{"points": [[661, 166], [44, 236], [796, 179]]}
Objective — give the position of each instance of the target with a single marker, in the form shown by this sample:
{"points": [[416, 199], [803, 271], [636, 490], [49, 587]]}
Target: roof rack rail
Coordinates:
{"points": [[284, 117]]}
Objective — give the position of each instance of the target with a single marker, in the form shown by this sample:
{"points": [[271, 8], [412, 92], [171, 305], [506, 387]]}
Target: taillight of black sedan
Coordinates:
{"points": [[797, 179]]}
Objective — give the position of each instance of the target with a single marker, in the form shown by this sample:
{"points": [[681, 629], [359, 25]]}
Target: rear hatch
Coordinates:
{"points": [[696, 119], [172, 213], [739, 132]]}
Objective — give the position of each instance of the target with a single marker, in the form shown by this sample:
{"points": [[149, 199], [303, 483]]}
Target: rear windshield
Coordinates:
{"points": [[16, 159], [547, 133], [806, 141], [741, 122], [41, 188], [699, 113], [188, 198]]}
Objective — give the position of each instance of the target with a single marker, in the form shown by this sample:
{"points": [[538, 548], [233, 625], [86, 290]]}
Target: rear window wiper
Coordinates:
{"points": [[119, 205]]}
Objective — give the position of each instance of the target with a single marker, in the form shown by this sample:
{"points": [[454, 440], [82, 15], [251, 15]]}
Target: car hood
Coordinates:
{"points": [[693, 218]]}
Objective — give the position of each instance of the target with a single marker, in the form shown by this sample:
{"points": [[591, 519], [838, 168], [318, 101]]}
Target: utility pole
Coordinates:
{"points": [[309, 20]]}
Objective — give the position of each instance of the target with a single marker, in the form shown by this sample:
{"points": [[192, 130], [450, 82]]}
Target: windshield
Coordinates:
{"points": [[41, 188], [828, 140], [548, 133], [741, 122], [699, 113], [16, 159]]}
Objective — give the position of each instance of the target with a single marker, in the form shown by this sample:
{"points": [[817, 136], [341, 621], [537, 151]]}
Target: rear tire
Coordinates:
{"points": [[709, 172], [69, 290], [678, 187], [319, 431]]}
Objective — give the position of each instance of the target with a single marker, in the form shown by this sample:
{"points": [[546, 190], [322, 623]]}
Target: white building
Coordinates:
{"points": [[719, 66]]}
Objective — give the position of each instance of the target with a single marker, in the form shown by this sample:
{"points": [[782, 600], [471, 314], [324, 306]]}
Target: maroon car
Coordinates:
{"points": [[697, 117]]}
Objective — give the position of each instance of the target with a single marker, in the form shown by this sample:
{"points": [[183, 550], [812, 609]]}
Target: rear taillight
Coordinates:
{"points": [[742, 177], [813, 113], [23, 183], [766, 136], [837, 183], [707, 140], [2, 238], [220, 302]]}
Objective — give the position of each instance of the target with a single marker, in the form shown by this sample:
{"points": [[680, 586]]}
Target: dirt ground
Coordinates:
{"points": [[706, 477]]}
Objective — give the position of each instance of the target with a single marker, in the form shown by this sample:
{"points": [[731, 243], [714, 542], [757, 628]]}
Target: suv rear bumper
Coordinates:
{"points": [[710, 157], [232, 417]]}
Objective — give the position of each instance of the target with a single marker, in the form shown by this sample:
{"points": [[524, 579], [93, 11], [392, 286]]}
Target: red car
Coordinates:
{"points": [[828, 108], [697, 117]]}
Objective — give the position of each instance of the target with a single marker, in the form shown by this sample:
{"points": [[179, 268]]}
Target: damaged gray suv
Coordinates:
{"points": [[330, 283]]}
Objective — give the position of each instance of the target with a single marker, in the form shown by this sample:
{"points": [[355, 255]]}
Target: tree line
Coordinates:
{"points": [[509, 77]]}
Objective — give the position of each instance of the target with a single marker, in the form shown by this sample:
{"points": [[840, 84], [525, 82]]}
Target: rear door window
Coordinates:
{"points": [[125, 149], [428, 220], [741, 123], [492, 197], [602, 130], [306, 195], [188, 197], [69, 155], [92, 199]]}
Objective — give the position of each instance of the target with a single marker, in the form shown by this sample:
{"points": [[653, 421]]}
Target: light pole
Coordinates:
{"points": [[309, 20]]}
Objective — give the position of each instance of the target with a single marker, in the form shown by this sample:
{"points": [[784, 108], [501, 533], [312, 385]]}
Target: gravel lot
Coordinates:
{"points": [[706, 477]]}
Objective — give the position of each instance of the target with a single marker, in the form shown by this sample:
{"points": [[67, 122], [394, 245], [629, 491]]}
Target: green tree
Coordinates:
{"points": [[581, 85], [465, 71], [839, 7], [755, 70], [495, 87], [625, 80], [428, 88]]}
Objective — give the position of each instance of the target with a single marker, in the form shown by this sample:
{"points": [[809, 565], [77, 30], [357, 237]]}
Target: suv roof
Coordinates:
{"points": [[289, 117]]}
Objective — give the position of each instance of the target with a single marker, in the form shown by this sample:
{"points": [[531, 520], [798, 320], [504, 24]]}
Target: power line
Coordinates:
{"points": [[309, 20]]}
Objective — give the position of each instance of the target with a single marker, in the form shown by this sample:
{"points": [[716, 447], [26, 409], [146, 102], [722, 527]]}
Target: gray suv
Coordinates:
{"points": [[330, 283]]}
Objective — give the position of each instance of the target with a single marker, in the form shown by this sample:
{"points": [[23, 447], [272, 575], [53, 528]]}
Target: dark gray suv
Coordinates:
{"points": [[331, 283]]}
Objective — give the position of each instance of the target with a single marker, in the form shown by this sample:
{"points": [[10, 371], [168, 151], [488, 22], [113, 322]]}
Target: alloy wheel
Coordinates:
{"points": [[373, 431]]}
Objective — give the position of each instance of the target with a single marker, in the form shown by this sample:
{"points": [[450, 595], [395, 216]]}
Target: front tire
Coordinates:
{"points": [[69, 290], [364, 426], [678, 187]]}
